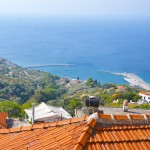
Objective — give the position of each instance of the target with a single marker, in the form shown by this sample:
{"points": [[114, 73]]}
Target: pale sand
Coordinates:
{"points": [[136, 81], [133, 79]]}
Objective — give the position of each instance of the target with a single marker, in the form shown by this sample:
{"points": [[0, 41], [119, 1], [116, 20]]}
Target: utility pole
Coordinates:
{"points": [[33, 104]]}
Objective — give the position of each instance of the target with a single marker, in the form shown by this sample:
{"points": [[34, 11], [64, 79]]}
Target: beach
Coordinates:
{"points": [[132, 78], [135, 80]]}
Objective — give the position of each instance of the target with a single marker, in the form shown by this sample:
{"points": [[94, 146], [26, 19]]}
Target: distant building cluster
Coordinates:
{"points": [[121, 88]]}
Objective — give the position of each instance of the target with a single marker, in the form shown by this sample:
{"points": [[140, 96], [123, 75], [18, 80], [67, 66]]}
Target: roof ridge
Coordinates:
{"points": [[129, 117], [86, 133], [93, 119], [112, 117], [120, 127]]}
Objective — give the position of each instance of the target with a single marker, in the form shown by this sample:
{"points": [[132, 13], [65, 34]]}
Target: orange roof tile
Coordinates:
{"points": [[121, 87], [120, 117], [145, 93], [119, 137], [137, 117], [104, 116], [3, 123], [78, 134], [56, 135]]}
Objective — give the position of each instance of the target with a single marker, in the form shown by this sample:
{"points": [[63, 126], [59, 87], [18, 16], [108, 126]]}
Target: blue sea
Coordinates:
{"points": [[90, 44]]}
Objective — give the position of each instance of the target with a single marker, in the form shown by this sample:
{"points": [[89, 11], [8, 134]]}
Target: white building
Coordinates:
{"points": [[145, 96], [44, 112]]}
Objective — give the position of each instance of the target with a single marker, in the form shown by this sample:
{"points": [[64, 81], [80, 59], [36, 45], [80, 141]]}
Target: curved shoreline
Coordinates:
{"points": [[132, 78], [136, 81]]}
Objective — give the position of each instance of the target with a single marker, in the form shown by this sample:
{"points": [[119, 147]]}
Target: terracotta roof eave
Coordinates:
{"points": [[45, 125]]}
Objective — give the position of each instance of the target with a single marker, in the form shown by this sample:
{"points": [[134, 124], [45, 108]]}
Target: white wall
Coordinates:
{"points": [[145, 97]]}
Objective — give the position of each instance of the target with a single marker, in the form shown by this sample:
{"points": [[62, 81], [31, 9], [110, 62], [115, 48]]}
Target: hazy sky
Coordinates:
{"points": [[110, 8]]}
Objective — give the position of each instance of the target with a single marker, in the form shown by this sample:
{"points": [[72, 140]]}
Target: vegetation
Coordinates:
{"points": [[20, 87], [13, 108], [141, 106], [92, 83]]}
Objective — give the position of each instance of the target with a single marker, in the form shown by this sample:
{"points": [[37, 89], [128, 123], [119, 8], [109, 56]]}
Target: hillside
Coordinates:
{"points": [[11, 72], [19, 84], [22, 87]]}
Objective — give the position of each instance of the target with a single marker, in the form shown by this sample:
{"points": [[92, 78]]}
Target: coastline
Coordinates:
{"points": [[136, 81], [132, 78]]}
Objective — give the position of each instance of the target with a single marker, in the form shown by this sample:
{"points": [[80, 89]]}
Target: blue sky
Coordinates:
{"points": [[85, 8]]}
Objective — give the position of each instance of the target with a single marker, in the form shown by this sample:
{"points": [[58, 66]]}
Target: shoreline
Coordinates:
{"points": [[131, 78], [136, 81]]}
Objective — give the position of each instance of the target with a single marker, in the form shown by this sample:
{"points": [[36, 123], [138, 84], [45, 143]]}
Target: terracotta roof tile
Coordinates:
{"points": [[78, 147], [91, 123], [25, 128], [4, 130], [15, 129], [79, 134], [148, 116], [79, 119], [119, 146], [137, 117], [128, 137], [104, 116], [87, 129], [64, 122], [38, 126], [42, 137], [83, 138], [145, 93], [120, 117]]}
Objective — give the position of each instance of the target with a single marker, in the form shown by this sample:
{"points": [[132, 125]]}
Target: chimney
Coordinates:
{"points": [[125, 105]]}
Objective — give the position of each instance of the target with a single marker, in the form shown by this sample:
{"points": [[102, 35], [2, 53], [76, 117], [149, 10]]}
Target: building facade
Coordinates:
{"points": [[145, 96]]}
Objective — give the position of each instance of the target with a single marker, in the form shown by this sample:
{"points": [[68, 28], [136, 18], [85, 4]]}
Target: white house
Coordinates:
{"points": [[44, 112], [145, 96]]}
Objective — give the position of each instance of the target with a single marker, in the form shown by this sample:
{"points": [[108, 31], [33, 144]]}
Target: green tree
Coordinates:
{"points": [[13, 108], [43, 95], [115, 96], [90, 82], [136, 98], [73, 104], [48, 79], [129, 95]]}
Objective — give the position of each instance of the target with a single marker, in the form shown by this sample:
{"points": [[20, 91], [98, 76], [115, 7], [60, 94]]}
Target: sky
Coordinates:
{"points": [[79, 8]]}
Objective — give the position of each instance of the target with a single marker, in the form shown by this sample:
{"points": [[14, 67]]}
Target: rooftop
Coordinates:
{"points": [[98, 131], [145, 93]]}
